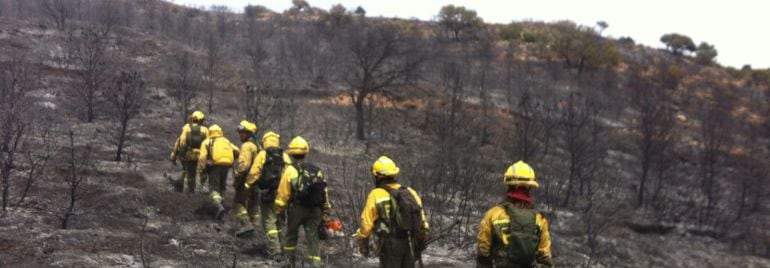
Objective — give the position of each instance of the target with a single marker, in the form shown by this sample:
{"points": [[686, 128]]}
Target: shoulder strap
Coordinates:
{"points": [[210, 148]]}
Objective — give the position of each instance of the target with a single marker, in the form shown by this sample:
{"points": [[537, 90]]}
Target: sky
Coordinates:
{"points": [[737, 28]]}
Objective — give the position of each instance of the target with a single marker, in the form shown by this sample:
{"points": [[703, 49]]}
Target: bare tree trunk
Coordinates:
{"points": [[642, 182], [121, 140], [70, 208], [358, 104]]}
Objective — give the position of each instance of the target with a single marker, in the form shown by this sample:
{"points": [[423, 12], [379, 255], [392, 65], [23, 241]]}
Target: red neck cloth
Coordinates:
{"points": [[520, 194]]}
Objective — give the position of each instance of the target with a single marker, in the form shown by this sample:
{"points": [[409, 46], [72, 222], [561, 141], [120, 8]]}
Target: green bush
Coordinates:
{"points": [[531, 37], [511, 31]]}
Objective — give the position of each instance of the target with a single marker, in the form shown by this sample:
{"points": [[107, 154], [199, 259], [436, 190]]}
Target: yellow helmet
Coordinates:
{"points": [[215, 131], [298, 146], [384, 167], [271, 139], [197, 116], [247, 126], [520, 174]]}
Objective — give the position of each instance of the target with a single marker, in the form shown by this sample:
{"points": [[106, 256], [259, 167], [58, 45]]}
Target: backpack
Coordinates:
{"points": [[220, 153], [407, 221], [524, 235], [271, 174], [311, 186], [271, 171], [195, 137]]}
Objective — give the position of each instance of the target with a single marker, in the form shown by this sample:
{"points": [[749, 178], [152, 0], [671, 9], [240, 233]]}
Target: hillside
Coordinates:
{"points": [[646, 158]]}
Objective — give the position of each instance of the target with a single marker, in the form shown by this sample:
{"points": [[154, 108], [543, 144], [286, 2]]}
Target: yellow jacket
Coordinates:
{"points": [[246, 158], [216, 137], [490, 230], [289, 180], [259, 163], [378, 202], [181, 141]]}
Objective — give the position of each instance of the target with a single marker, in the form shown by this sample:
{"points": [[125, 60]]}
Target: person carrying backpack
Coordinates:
{"points": [[394, 214], [513, 233], [216, 157], [243, 202], [303, 191], [264, 178], [186, 149]]}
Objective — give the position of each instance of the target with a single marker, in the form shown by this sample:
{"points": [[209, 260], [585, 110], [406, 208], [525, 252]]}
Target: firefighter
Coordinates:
{"points": [[187, 150], [217, 155], [513, 233], [303, 191], [401, 232]]}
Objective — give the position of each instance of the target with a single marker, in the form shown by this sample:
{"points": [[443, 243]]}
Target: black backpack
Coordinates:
{"points": [[195, 137], [311, 186], [271, 171], [407, 221]]}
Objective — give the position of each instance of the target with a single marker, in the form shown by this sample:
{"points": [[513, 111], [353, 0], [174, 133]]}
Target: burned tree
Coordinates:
{"points": [[381, 57], [184, 81], [126, 97], [17, 79], [655, 124], [715, 145], [38, 156], [87, 53], [577, 121], [60, 11], [79, 166]]}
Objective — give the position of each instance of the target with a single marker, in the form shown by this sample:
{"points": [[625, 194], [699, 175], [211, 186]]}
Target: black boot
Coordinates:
{"points": [[221, 212]]}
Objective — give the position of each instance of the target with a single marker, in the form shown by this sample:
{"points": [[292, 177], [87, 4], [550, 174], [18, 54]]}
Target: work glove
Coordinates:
{"points": [[278, 209]]}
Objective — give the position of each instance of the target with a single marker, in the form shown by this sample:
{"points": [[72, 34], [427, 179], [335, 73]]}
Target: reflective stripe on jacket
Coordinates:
{"points": [[181, 141], [378, 204], [289, 180], [491, 237]]}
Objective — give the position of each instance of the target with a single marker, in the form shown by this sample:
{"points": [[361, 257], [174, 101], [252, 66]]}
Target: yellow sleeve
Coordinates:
{"points": [[248, 150], [175, 151], [368, 216], [284, 188], [327, 205], [181, 141], [256, 169], [544, 248], [204, 152], [484, 238]]}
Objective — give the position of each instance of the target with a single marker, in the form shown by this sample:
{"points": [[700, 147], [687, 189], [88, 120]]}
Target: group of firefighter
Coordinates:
{"points": [[272, 183]]}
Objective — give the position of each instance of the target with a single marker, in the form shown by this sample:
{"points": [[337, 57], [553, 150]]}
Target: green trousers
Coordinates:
{"points": [[217, 177], [271, 222], [189, 175], [395, 253], [245, 203], [309, 219]]}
